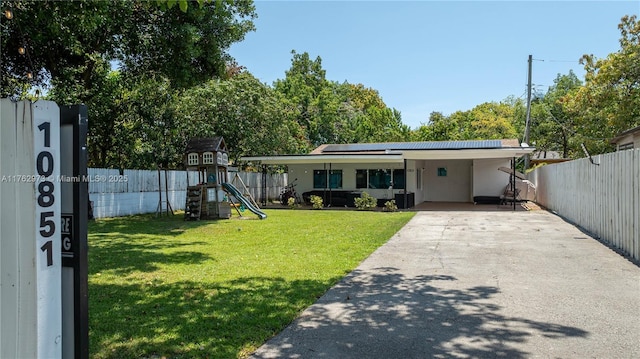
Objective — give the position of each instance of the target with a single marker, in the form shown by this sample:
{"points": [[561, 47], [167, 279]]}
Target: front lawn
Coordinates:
{"points": [[162, 287]]}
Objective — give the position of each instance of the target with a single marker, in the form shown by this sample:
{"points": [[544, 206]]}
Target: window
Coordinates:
{"points": [[418, 178], [335, 179], [398, 179], [320, 179], [207, 158], [442, 172], [380, 178], [361, 179], [625, 146], [192, 159]]}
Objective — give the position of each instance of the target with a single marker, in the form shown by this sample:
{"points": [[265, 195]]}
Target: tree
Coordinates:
{"points": [[490, 120], [65, 42], [553, 127], [332, 112], [250, 115], [438, 128], [376, 122], [609, 101], [131, 124], [300, 88]]}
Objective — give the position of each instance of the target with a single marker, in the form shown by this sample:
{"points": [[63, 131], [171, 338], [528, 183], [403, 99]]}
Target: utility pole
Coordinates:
{"points": [[526, 127]]}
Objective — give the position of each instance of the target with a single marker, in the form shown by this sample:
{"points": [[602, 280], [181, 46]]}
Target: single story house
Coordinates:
{"points": [[439, 171], [627, 140]]}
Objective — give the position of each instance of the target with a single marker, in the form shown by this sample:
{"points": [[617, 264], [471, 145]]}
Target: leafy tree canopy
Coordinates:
{"points": [[333, 112], [609, 101], [553, 127], [64, 42], [490, 120]]}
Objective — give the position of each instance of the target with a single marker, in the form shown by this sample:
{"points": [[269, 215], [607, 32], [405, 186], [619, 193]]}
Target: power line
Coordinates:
{"points": [[570, 131], [568, 61]]}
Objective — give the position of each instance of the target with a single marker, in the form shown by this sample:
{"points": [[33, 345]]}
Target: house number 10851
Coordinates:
{"points": [[45, 196]]}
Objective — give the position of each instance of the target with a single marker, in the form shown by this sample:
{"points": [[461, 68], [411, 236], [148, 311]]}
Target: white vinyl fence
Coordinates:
{"points": [[138, 191], [604, 199]]}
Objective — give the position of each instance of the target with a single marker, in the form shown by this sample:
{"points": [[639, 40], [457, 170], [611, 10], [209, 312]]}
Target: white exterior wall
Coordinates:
{"points": [[418, 185], [304, 174], [455, 187], [465, 178], [487, 179]]}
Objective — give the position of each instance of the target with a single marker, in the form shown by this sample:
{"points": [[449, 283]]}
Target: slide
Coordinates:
{"points": [[234, 191]]}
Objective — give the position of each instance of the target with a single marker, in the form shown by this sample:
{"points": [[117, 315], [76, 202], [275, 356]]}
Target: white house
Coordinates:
{"points": [[442, 171]]}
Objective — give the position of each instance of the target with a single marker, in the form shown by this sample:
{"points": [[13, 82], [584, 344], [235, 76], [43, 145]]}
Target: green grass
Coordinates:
{"points": [[162, 287]]}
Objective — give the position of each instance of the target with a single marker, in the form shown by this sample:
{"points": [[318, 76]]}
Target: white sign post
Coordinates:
{"points": [[46, 147], [43, 278]]}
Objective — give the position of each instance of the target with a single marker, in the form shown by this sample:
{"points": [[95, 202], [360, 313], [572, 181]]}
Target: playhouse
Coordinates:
{"points": [[213, 195], [207, 199]]}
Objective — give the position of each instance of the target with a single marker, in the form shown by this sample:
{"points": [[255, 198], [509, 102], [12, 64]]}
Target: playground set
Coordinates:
{"points": [[213, 196]]}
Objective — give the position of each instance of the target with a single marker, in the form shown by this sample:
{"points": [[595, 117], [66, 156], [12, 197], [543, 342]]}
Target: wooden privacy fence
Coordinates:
{"points": [[603, 199], [129, 192]]}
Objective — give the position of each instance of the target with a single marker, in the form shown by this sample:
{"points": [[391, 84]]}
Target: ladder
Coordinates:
{"points": [[193, 207]]}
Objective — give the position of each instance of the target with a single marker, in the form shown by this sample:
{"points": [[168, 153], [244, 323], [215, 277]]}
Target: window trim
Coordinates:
{"points": [[208, 158], [193, 159]]}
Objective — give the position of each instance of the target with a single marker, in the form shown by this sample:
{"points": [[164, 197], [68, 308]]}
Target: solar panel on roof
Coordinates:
{"points": [[414, 146]]}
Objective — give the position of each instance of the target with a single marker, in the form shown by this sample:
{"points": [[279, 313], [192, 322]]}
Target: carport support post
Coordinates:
{"points": [[406, 197], [513, 182]]}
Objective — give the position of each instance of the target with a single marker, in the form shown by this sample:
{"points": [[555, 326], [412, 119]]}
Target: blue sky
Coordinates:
{"points": [[425, 56]]}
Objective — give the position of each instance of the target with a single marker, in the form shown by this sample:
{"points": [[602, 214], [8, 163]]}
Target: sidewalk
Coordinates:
{"points": [[476, 285]]}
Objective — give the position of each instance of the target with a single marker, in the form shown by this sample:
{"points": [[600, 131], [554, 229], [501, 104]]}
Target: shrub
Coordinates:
{"points": [[291, 202], [316, 201], [390, 206], [366, 202]]}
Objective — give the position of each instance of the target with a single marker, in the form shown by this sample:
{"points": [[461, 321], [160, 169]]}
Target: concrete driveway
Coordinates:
{"points": [[476, 285]]}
